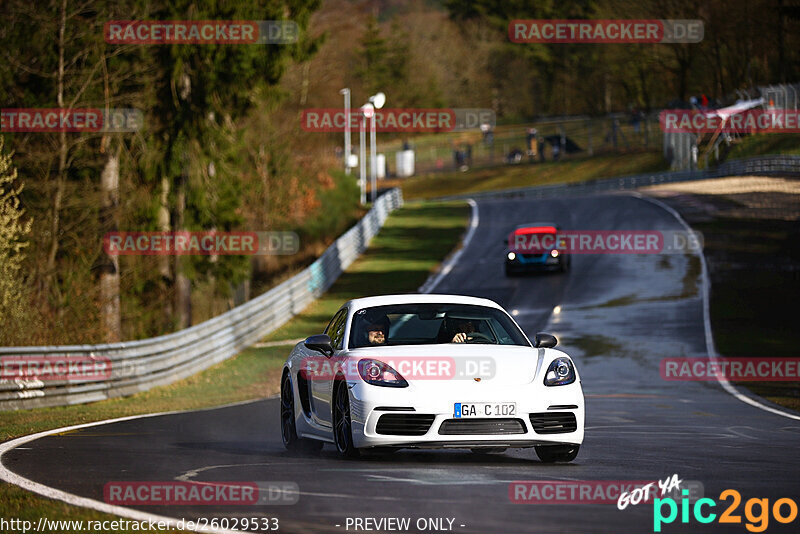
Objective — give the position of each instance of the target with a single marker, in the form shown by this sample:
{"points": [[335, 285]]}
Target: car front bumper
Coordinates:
{"points": [[367, 406], [548, 263]]}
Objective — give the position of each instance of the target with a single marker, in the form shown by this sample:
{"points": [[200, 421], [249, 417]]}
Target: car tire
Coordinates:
{"points": [[557, 453], [291, 441], [510, 272], [563, 265], [342, 424]]}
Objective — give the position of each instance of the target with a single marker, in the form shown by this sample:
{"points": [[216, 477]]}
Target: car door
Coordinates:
{"points": [[321, 390]]}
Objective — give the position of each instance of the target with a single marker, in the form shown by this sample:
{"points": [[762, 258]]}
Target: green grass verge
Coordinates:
{"points": [[414, 240], [526, 174], [759, 145], [753, 303]]}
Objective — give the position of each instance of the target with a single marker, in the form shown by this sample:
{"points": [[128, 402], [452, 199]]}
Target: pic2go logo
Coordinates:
{"points": [[757, 522]]}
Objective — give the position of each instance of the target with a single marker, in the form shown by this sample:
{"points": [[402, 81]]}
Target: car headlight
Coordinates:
{"points": [[511, 256], [554, 253], [377, 373], [560, 373]]}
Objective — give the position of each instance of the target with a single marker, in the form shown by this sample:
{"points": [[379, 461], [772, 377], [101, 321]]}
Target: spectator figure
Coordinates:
{"points": [[636, 120], [459, 155], [515, 156], [556, 151], [406, 145], [531, 142], [541, 150], [488, 134], [468, 154]]}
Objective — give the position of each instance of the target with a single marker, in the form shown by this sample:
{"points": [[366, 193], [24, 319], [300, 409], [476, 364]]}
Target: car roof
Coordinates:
{"points": [[419, 298]]}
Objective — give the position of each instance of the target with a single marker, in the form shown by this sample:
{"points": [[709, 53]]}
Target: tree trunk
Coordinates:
{"points": [[781, 44], [109, 265], [164, 268], [62, 159], [183, 286]]}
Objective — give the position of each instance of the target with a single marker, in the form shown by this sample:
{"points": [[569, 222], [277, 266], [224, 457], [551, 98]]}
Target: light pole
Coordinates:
{"points": [[373, 165], [367, 111], [377, 100], [346, 93]]}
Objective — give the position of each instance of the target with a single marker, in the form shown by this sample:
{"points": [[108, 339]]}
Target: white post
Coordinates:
{"points": [[362, 157], [373, 159], [376, 102], [347, 148]]}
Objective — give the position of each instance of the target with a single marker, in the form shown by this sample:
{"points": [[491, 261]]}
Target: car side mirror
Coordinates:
{"points": [[543, 340], [320, 343]]}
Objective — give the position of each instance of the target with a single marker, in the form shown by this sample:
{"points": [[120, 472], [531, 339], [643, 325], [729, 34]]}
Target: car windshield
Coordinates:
{"points": [[431, 323]]}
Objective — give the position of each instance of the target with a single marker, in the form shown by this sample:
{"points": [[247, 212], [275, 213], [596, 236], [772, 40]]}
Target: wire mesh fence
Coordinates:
{"points": [[544, 140]]}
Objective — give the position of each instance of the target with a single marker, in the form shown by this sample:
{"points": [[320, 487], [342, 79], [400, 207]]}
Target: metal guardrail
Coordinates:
{"points": [[765, 165], [140, 365]]}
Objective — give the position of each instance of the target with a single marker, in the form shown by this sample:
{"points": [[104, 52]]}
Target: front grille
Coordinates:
{"points": [[404, 424], [553, 422], [482, 426], [533, 258]]}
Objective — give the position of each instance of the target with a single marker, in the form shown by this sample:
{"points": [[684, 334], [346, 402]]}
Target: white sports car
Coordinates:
{"points": [[430, 371]]}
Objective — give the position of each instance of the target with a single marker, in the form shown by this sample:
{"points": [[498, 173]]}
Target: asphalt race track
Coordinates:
{"points": [[619, 316]]}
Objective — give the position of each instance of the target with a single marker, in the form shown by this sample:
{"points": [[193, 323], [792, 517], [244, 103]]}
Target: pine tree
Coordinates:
{"points": [[13, 231]]}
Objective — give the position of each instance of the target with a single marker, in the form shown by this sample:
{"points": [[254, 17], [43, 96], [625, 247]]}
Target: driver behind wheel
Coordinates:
{"points": [[463, 327], [376, 330]]}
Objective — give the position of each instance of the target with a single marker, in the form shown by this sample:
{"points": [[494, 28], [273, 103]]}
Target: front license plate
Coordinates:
{"points": [[484, 409]]}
